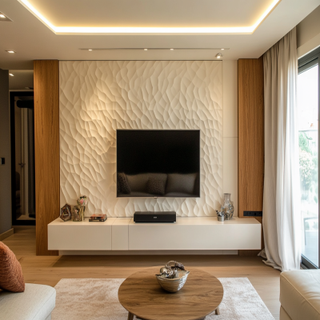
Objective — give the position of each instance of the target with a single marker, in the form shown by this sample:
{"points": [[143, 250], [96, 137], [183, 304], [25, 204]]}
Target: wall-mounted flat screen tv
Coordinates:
{"points": [[158, 163]]}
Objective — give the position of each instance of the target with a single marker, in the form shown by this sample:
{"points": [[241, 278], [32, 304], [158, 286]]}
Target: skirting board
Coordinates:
{"points": [[148, 253], [6, 234]]}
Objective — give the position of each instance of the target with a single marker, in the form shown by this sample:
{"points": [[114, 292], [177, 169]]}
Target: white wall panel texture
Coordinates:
{"points": [[98, 97]]}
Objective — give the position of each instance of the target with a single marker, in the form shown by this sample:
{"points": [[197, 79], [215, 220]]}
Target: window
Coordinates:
{"points": [[308, 126]]}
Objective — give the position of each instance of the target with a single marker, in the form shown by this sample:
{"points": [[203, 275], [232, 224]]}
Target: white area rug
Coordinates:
{"points": [[97, 299]]}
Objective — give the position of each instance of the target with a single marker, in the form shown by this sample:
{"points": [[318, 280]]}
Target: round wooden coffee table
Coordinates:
{"points": [[141, 295]]}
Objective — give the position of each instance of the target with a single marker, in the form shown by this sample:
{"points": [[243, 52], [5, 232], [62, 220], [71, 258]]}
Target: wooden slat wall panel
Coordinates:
{"points": [[251, 134], [47, 167]]}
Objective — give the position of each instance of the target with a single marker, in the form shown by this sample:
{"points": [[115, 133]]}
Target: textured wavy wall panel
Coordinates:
{"points": [[98, 97]]}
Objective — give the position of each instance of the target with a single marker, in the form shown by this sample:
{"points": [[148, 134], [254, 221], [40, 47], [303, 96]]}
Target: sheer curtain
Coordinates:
{"points": [[281, 182]]}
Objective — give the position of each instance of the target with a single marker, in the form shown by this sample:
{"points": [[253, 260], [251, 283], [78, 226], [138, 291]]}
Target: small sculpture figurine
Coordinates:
{"points": [[65, 212], [220, 215]]}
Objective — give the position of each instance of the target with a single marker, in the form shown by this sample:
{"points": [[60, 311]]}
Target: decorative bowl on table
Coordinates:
{"points": [[172, 276], [173, 284]]}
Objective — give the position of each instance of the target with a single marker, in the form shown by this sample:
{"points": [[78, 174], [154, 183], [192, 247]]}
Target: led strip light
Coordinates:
{"points": [[148, 30]]}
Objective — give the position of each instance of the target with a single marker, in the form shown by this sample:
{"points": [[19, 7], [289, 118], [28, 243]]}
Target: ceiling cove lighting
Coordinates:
{"points": [[148, 30], [148, 49]]}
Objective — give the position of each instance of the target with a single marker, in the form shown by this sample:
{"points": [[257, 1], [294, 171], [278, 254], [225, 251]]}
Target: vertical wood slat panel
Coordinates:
{"points": [[251, 134], [47, 167]]}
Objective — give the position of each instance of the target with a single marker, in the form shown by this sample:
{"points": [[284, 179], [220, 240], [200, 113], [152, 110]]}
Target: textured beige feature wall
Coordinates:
{"points": [[98, 97]]}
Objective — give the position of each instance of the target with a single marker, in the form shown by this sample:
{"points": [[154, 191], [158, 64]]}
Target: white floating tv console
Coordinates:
{"points": [[123, 234]]}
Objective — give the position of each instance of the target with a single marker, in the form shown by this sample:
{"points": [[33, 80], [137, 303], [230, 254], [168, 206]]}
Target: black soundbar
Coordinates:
{"points": [[154, 216]]}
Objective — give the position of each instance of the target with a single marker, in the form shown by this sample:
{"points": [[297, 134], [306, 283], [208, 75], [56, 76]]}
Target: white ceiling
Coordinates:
{"points": [[32, 39], [21, 80]]}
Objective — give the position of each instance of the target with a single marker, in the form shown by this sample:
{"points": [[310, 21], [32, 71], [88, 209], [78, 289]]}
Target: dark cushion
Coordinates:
{"points": [[181, 183], [123, 183], [156, 186], [11, 277]]}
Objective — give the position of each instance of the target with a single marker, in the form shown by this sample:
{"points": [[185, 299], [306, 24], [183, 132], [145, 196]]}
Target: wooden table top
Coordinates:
{"points": [[142, 296]]}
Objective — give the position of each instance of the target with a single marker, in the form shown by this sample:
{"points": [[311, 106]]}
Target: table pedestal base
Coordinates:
{"points": [[130, 315]]}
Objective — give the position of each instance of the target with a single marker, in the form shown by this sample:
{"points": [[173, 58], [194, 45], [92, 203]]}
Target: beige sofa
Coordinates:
{"points": [[300, 295], [35, 303]]}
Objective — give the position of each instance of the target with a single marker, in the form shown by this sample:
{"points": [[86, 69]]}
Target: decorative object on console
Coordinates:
{"points": [[220, 215], [227, 207], [65, 212], [83, 202], [172, 276], [155, 216], [77, 213], [98, 218]]}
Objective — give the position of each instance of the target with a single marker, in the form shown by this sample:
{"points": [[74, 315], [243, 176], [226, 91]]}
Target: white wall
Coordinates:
{"points": [[230, 131], [5, 170], [308, 33], [96, 98]]}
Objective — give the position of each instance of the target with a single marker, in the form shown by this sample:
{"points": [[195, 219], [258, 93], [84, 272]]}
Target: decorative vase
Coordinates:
{"points": [[227, 207], [77, 213], [83, 202]]}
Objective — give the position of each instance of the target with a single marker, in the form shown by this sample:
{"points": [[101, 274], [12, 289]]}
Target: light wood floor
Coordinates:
{"points": [[49, 270]]}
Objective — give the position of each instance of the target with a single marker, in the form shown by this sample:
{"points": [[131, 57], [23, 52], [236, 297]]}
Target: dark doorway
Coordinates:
{"points": [[22, 155]]}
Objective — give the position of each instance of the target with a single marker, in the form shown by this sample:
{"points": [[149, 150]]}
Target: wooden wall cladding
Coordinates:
{"points": [[251, 135], [47, 168]]}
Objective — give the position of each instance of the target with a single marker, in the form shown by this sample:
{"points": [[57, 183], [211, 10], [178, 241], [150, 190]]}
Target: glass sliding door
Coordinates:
{"points": [[308, 126]]}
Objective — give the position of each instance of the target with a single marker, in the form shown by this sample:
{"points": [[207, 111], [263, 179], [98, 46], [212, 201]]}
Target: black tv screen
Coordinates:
{"points": [[158, 163]]}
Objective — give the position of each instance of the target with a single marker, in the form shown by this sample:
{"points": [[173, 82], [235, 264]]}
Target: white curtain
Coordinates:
{"points": [[281, 214]]}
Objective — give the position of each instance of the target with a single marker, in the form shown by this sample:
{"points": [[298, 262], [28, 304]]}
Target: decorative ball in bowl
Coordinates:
{"points": [[172, 276], [173, 284]]}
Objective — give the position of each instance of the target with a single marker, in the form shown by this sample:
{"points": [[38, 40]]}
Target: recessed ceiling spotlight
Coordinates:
{"points": [[218, 55], [10, 51], [222, 49], [89, 49], [171, 49], [145, 49], [4, 18], [11, 74]]}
